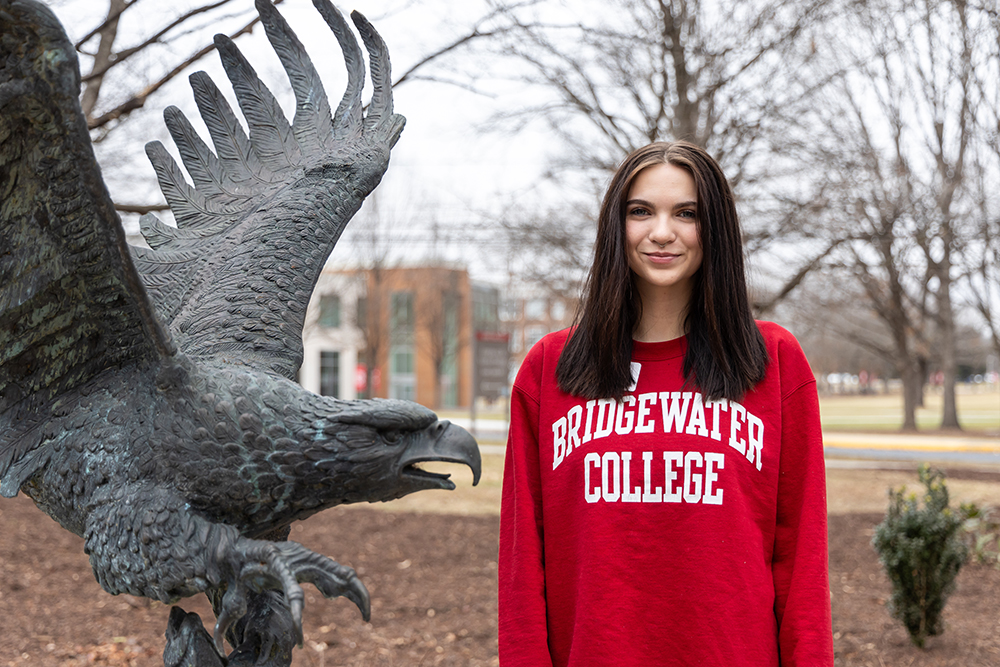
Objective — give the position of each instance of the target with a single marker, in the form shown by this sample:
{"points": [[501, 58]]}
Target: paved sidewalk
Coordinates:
{"points": [[912, 446]]}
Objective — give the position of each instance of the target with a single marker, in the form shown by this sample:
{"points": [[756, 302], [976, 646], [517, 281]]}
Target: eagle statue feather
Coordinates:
{"points": [[147, 395]]}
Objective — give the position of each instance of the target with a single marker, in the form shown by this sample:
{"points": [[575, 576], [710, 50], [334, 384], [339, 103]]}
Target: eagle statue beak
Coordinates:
{"points": [[442, 441]]}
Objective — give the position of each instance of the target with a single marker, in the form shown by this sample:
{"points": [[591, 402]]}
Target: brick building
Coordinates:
{"points": [[396, 333]]}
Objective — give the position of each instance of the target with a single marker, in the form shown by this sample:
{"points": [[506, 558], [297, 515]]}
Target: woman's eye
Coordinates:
{"points": [[688, 214], [638, 211]]}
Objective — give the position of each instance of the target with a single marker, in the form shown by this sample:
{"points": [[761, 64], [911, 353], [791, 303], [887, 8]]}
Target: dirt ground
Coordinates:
{"points": [[432, 578]]}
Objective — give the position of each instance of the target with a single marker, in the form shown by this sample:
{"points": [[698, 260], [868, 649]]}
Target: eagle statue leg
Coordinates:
{"points": [[265, 635], [167, 552]]}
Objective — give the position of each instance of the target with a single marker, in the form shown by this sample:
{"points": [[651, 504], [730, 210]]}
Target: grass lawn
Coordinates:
{"points": [[978, 412]]}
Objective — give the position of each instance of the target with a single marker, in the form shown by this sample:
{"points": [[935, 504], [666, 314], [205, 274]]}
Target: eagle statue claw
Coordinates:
{"points": [[283, 565], [148, 400], [188, 644]]}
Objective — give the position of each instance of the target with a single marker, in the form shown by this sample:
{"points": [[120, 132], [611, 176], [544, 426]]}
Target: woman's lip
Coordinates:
{"points": [[662, 256]]}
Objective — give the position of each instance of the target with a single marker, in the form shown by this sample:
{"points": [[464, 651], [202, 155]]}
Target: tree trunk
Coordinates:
{"points": [[912, 391], [93, 87], [949, 419], [921, 380]]}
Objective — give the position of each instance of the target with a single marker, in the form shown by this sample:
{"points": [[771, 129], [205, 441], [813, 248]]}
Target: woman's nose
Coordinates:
{"points": [[662, 231]]}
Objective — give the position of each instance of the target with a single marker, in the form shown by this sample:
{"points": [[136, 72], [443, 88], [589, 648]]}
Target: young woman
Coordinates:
{"points": [[664, 495]]}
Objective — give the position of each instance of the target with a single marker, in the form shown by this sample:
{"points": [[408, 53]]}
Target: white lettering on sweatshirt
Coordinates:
{"points": [[680, 412]]}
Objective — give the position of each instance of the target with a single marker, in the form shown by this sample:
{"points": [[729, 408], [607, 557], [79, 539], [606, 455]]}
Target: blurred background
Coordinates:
{"points": [[862, 139]]}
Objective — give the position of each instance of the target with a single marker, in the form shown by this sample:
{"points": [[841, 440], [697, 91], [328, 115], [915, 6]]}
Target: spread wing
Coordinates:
{"points": [[71, 302], [263, 211]]}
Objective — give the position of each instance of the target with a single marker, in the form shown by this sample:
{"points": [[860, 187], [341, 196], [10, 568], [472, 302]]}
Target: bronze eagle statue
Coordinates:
{"points": [[148, 400]]}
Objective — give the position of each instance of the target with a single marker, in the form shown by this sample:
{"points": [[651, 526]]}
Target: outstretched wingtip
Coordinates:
{"points": [[364, 27], [347, 119], [379, 114], [313, 123], [223, 42]]}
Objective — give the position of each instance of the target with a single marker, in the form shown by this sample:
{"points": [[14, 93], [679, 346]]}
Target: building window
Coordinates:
{"points": [[485, 306], [534, 309], [509, 310], [532, 335], [402, 375], [329, 374], [516, 340], [361, 312], [402, 316], [329, 311], [558, 310], [403, 382], [449, 349]]}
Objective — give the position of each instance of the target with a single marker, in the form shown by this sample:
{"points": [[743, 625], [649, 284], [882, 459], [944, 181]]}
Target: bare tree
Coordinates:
{"points": [[547, 249], [106, 59], [894, 144], [608, 77], [871, 191], [432, 317]]}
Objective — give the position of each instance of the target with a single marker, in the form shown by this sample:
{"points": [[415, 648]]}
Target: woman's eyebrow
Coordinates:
{"points": [[683, 204]]}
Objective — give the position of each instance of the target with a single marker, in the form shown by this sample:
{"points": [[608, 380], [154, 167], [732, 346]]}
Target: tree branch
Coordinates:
{"points": [[124, 55], [139, 99]]}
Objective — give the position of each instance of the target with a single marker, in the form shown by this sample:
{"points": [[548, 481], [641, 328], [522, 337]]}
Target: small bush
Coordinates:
{"points": [[922, 551]]}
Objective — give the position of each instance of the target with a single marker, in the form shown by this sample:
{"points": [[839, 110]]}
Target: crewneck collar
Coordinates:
{"points": [[667, 349]]}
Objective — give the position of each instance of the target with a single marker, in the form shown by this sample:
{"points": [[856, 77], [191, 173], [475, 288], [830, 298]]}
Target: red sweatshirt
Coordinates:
{"points": [[665, 529]]}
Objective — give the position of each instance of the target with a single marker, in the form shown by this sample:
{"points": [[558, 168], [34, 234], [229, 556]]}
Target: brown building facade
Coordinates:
{"points": [[404, 333]]}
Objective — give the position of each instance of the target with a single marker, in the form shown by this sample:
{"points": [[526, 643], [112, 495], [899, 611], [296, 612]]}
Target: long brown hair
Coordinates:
{"points": [[726, 355]]}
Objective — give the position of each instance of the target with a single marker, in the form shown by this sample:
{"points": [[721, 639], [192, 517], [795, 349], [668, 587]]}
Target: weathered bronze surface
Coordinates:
{"points": [[147, 396]]}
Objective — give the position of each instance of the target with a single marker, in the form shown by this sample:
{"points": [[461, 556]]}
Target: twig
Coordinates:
{"points": [[122, 56], [141, 209], [138, 100]]}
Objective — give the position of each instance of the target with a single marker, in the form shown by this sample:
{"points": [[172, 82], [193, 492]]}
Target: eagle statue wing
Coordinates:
{"points": [[72, 305], [264, 210]]}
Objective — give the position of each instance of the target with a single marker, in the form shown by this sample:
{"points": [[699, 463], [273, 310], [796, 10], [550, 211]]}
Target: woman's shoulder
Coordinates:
{"points": [[772, 331], [786, 356], [549, 344], [541, 360], [777, 338]]}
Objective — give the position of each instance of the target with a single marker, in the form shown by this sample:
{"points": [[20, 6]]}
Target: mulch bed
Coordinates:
{"points": [[432, 580]]}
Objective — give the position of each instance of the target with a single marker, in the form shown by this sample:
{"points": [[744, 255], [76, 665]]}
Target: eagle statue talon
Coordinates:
{"points": [[188, 644], [283, 566], [148, 396]]}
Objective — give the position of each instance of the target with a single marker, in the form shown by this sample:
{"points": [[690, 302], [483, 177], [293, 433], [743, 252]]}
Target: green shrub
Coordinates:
{"points": [[922, 551]]}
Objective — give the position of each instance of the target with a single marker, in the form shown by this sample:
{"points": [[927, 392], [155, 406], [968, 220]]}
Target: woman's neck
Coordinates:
{"points": [[663, 315]]}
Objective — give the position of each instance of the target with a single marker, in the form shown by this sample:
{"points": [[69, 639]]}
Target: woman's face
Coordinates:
{"points": [[661, 231]]}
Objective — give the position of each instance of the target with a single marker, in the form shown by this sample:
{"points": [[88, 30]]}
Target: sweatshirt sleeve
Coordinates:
{"points": [[800, 563], [522, 624]]}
